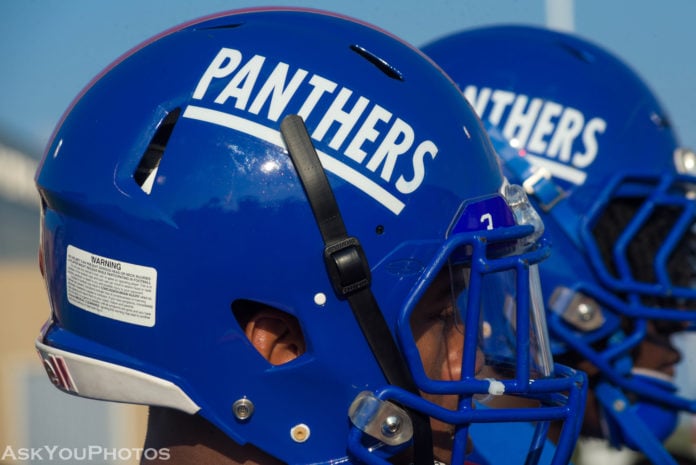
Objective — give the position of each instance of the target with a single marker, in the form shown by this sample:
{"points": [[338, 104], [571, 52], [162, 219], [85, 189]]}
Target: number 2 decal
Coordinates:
{"points": [[488, 219]]}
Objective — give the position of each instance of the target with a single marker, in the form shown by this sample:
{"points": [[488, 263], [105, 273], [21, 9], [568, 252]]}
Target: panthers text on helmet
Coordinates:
{"points": [[543, 128], [383, 144]]}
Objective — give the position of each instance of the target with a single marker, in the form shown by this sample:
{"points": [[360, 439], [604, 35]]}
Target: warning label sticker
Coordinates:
{"points": [[111, 288]]}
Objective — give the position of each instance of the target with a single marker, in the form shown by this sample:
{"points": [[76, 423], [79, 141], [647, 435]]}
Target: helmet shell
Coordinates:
{"points": [[143, 275]]}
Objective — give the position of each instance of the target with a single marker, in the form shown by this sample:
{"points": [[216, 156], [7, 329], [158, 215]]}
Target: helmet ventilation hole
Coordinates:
{"points": [[380, 63], [580, 54], [146, 170]]}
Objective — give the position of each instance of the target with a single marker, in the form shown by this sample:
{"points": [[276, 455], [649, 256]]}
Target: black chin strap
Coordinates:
{"points": [[350, 274]]}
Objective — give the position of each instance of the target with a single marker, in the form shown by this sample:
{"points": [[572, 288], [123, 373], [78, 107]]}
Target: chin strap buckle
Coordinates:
{"points": [[347, 266]]}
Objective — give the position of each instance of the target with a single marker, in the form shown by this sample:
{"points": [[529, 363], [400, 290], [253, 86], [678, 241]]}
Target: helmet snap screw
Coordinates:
{"points": [[299, 433], [320, 299], [619, 405], [586, 311], [391, 425], [243, 408]]}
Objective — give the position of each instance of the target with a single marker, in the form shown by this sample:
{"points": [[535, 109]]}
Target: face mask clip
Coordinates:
{"points": [[380, 419]]}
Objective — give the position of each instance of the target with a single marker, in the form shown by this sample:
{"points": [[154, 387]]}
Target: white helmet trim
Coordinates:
{"points": [[107, 381]]}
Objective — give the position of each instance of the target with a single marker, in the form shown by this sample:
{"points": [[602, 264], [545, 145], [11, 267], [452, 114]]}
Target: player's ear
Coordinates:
{"points": [[276, 335]]}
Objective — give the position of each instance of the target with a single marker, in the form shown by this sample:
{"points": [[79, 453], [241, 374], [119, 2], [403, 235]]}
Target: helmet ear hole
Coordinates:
{"points": [[276, 335]]}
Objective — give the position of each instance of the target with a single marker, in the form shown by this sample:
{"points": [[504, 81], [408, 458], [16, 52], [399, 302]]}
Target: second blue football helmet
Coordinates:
{"points": [[598, 155]]}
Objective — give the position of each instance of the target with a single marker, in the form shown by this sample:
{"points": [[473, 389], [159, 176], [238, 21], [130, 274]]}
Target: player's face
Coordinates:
{"points": [[439, 335], [656, 352]]}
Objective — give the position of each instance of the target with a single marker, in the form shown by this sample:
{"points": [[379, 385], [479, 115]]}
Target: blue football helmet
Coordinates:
{"points": [[313, 164], [600, 160]]}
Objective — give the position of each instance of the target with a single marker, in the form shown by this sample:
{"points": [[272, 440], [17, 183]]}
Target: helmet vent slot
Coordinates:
{"points": [[584, 55], [146, 170], [380, 63], [222, 26]]}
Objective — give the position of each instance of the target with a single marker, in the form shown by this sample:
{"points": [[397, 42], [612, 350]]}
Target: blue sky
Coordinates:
{"points": [[50, 49]]}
